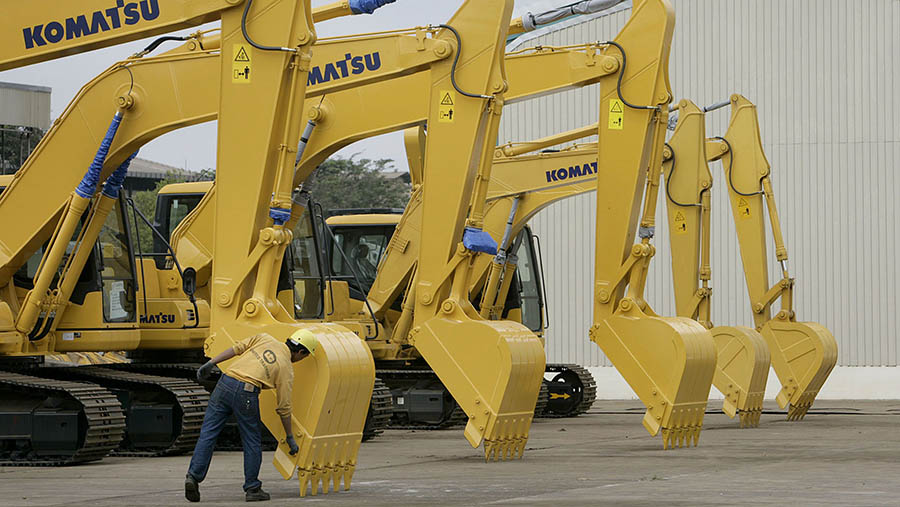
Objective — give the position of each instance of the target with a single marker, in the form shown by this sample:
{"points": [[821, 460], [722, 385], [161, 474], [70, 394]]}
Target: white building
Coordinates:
{"points": [[825, 76]]}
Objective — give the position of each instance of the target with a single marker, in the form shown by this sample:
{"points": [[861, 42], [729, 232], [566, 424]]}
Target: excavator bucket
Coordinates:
{"points": [[494, 370], [669, 363], [803, 355], [330, 400], [742, 368]]}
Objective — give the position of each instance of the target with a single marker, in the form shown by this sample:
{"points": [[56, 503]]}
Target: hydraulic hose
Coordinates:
{"points": [[730, 165], [254, 43], [669, 178], [455, 62]]}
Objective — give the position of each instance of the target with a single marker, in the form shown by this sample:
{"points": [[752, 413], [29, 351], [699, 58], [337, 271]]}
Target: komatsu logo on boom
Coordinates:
{"points": [[89, 24], [574, 171], [343, 68]]}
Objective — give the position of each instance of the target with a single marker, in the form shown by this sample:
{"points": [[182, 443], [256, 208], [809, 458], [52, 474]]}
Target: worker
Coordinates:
{"points": [[263, 363]]}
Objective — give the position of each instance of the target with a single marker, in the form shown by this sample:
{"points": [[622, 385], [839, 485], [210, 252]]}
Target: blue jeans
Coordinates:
{"points": [[230, 397]]}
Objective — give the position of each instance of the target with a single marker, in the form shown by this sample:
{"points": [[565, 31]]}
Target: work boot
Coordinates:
{"points": [[256, 495], [191, 489]]}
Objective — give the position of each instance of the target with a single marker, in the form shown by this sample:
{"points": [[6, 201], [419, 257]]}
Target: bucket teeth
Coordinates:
{"points": [[504, 449], [685, 431], [326, 477], [750, 418], [797, 412]]}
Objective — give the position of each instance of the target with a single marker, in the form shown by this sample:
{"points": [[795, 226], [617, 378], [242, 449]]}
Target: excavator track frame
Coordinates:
{"points": [[103, 417], [187, 399]]}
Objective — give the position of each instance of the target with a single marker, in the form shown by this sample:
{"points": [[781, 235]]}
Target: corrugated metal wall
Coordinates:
{"points": [[25, 106], [825, 75]]}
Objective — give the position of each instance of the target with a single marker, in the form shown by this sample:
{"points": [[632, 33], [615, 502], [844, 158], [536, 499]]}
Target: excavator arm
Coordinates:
{"points": [[742, 362], [668, 362], [803, 353]]}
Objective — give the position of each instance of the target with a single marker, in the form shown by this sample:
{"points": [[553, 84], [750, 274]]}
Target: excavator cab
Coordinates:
{"points": [[361, 237], [173, 203], [107, 282], [356, 244]]}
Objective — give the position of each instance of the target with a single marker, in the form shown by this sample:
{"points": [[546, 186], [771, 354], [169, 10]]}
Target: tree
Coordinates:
{"points": [[357, 183]]}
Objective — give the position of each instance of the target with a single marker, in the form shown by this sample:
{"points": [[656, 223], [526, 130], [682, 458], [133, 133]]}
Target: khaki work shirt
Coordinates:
{"points": [[266, 363]]}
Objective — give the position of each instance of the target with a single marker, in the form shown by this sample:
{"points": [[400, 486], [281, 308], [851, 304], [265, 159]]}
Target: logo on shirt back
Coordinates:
{"points": [[269, 356]]}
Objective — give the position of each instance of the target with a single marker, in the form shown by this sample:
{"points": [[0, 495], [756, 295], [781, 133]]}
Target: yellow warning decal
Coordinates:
{"points": [[616, 115], [744, 208], [446, 105], [241, 64], [680, 223]]}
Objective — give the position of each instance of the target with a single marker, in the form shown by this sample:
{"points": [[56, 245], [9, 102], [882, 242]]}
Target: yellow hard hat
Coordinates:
{"points": [[306, 338]]}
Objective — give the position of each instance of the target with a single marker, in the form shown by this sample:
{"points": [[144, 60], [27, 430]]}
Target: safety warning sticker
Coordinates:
{"points": [[446, 105], [241, 64], [744, 208], [680, 223], [616, 115]]}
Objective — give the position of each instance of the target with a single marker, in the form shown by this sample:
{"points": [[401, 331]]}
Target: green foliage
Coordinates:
{"points": [[357, 183]]}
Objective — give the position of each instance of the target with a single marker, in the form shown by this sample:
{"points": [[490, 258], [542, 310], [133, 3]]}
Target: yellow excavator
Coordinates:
{"points": [[506, 432], [649, 18], [802, 353], [675, 391], [68, 277], [500, 400], [191, 237]]}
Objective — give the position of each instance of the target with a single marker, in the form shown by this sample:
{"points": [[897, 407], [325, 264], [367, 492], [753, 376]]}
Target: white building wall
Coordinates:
{"points": [[825, 75], [24, 105]]}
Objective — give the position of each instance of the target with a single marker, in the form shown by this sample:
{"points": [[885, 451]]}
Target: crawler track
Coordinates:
{"points": [[103, 419], [188, 398], [381, 409], [574, 381]]}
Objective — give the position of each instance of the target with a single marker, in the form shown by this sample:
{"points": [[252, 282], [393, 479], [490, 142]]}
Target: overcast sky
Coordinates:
{"points": [[194, 148]]}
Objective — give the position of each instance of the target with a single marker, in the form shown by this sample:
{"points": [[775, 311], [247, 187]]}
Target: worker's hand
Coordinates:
{"points": [[205, 371], [292, 444]]}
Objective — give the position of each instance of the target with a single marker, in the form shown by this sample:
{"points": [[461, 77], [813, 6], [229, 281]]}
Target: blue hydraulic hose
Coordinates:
{"points": [[367, 6], [280, 215], [88, 184], [113, 184]]}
